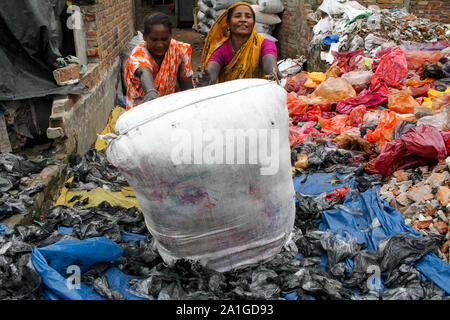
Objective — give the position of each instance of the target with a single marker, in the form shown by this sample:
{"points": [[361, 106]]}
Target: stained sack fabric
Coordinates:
{"points": [[28, 50]]}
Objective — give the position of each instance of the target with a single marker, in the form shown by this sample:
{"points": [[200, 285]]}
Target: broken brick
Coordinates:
{"points": [[422, 224], [67, 75], [442, 195], [420, 192], [445, 246], [441, 227], [401, 176]]}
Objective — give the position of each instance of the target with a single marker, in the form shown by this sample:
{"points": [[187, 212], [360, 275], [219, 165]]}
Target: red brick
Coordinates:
{"points": [[67, 74]]}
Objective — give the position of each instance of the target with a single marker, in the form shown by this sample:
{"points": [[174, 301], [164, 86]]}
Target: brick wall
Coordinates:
{"points": [[109, 26]]}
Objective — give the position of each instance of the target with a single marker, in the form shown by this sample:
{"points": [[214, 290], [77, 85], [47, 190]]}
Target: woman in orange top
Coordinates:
{"points": [[153, 68]]}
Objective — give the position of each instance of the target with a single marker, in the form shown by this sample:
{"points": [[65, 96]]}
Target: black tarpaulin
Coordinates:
{"points": [[29, 48]]}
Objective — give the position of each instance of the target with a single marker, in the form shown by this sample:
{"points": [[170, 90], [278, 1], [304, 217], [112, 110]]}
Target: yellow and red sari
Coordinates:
{"points": [[246, 61]]}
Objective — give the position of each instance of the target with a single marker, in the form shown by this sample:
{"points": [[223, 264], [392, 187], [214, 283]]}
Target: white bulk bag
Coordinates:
{"points": [[271, 6], [225, 4], [224, 215], [265, 18]]}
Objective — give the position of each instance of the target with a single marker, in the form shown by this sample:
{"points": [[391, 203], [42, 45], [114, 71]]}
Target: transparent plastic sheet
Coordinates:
{"points": [[418, 146], [373, 96], [401, 101], [331, 90], [429, 46], [416, 58], [440, 119], [392, 69], [360, 78]]}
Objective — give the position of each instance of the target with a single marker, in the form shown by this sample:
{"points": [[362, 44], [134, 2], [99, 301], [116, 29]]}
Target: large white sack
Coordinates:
{"points": [[265, 18], [270, 6], [263, 28], [224, 4], [224, 215]]}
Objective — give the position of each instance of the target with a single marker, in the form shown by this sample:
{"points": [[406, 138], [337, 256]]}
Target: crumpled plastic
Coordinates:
{"points": [[416, 58], [402, 127], [357, 116], [428, 46], [392, 69], [401, 101], [418, 146], [373, 96], [432, 70], [440, 119], [296, 83], [295, 105], [314, 79], [343, 58], [385, 128], [337, 124], [359, 78], [331, 90]]}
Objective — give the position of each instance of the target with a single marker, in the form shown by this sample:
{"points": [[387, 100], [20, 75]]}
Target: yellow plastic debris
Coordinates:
{"points": [[314, 79], [100, 144], [124, 198]]}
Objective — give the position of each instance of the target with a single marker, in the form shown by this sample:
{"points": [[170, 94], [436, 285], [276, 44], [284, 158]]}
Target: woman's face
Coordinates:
{"points": [[158, 40], [241, 21]]}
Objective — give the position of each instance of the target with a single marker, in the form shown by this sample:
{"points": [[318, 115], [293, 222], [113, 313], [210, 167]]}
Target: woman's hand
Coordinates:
{"points": [[149, 96], [202, 80]]}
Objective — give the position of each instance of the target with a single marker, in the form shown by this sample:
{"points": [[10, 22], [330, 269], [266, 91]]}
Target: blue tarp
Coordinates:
{"points": [[52, 264], [360, 217]]}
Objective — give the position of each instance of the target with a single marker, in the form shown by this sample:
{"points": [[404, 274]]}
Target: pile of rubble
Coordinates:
{"points": [[349, 26], [422, 196]]}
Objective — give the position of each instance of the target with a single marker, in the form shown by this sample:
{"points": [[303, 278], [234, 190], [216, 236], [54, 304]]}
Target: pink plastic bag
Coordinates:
{"points": [[416, 58], [418, 146], [343, 58], [370, 97], [392, 70]]}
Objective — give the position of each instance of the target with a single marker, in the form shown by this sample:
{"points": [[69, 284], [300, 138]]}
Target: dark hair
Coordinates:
{"points": [[231, 12], [157, 18]]}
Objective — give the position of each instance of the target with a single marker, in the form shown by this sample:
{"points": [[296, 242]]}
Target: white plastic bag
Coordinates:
{"points": [[271, 6], [224, 215], [268, 36], [262, 28], [265, 18], [225, 4]]}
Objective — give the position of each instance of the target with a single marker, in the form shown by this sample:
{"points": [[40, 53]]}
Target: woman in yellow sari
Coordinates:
{"points": [[234, 50]]}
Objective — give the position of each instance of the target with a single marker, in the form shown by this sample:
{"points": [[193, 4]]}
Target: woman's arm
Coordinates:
{"points": [[145, 76], [269, 63], [213, 69]]}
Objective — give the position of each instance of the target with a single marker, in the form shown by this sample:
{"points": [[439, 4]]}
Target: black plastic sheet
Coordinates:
{"points": [[28, 50]]}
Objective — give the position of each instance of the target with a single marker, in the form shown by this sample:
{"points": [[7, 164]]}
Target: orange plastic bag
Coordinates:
{"points": [[401, 101], [295, 105], [417, 84], [334, 71], [440, 101], [416, 58], [331, 90], [337, 124], [385, 128]]}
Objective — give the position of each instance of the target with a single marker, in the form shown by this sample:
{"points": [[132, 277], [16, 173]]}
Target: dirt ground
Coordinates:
{"points": [[196, 40]]}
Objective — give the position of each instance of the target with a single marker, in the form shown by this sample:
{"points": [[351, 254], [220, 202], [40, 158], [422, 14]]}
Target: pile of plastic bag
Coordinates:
{"points": [[266, 14], [348, 26]]}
